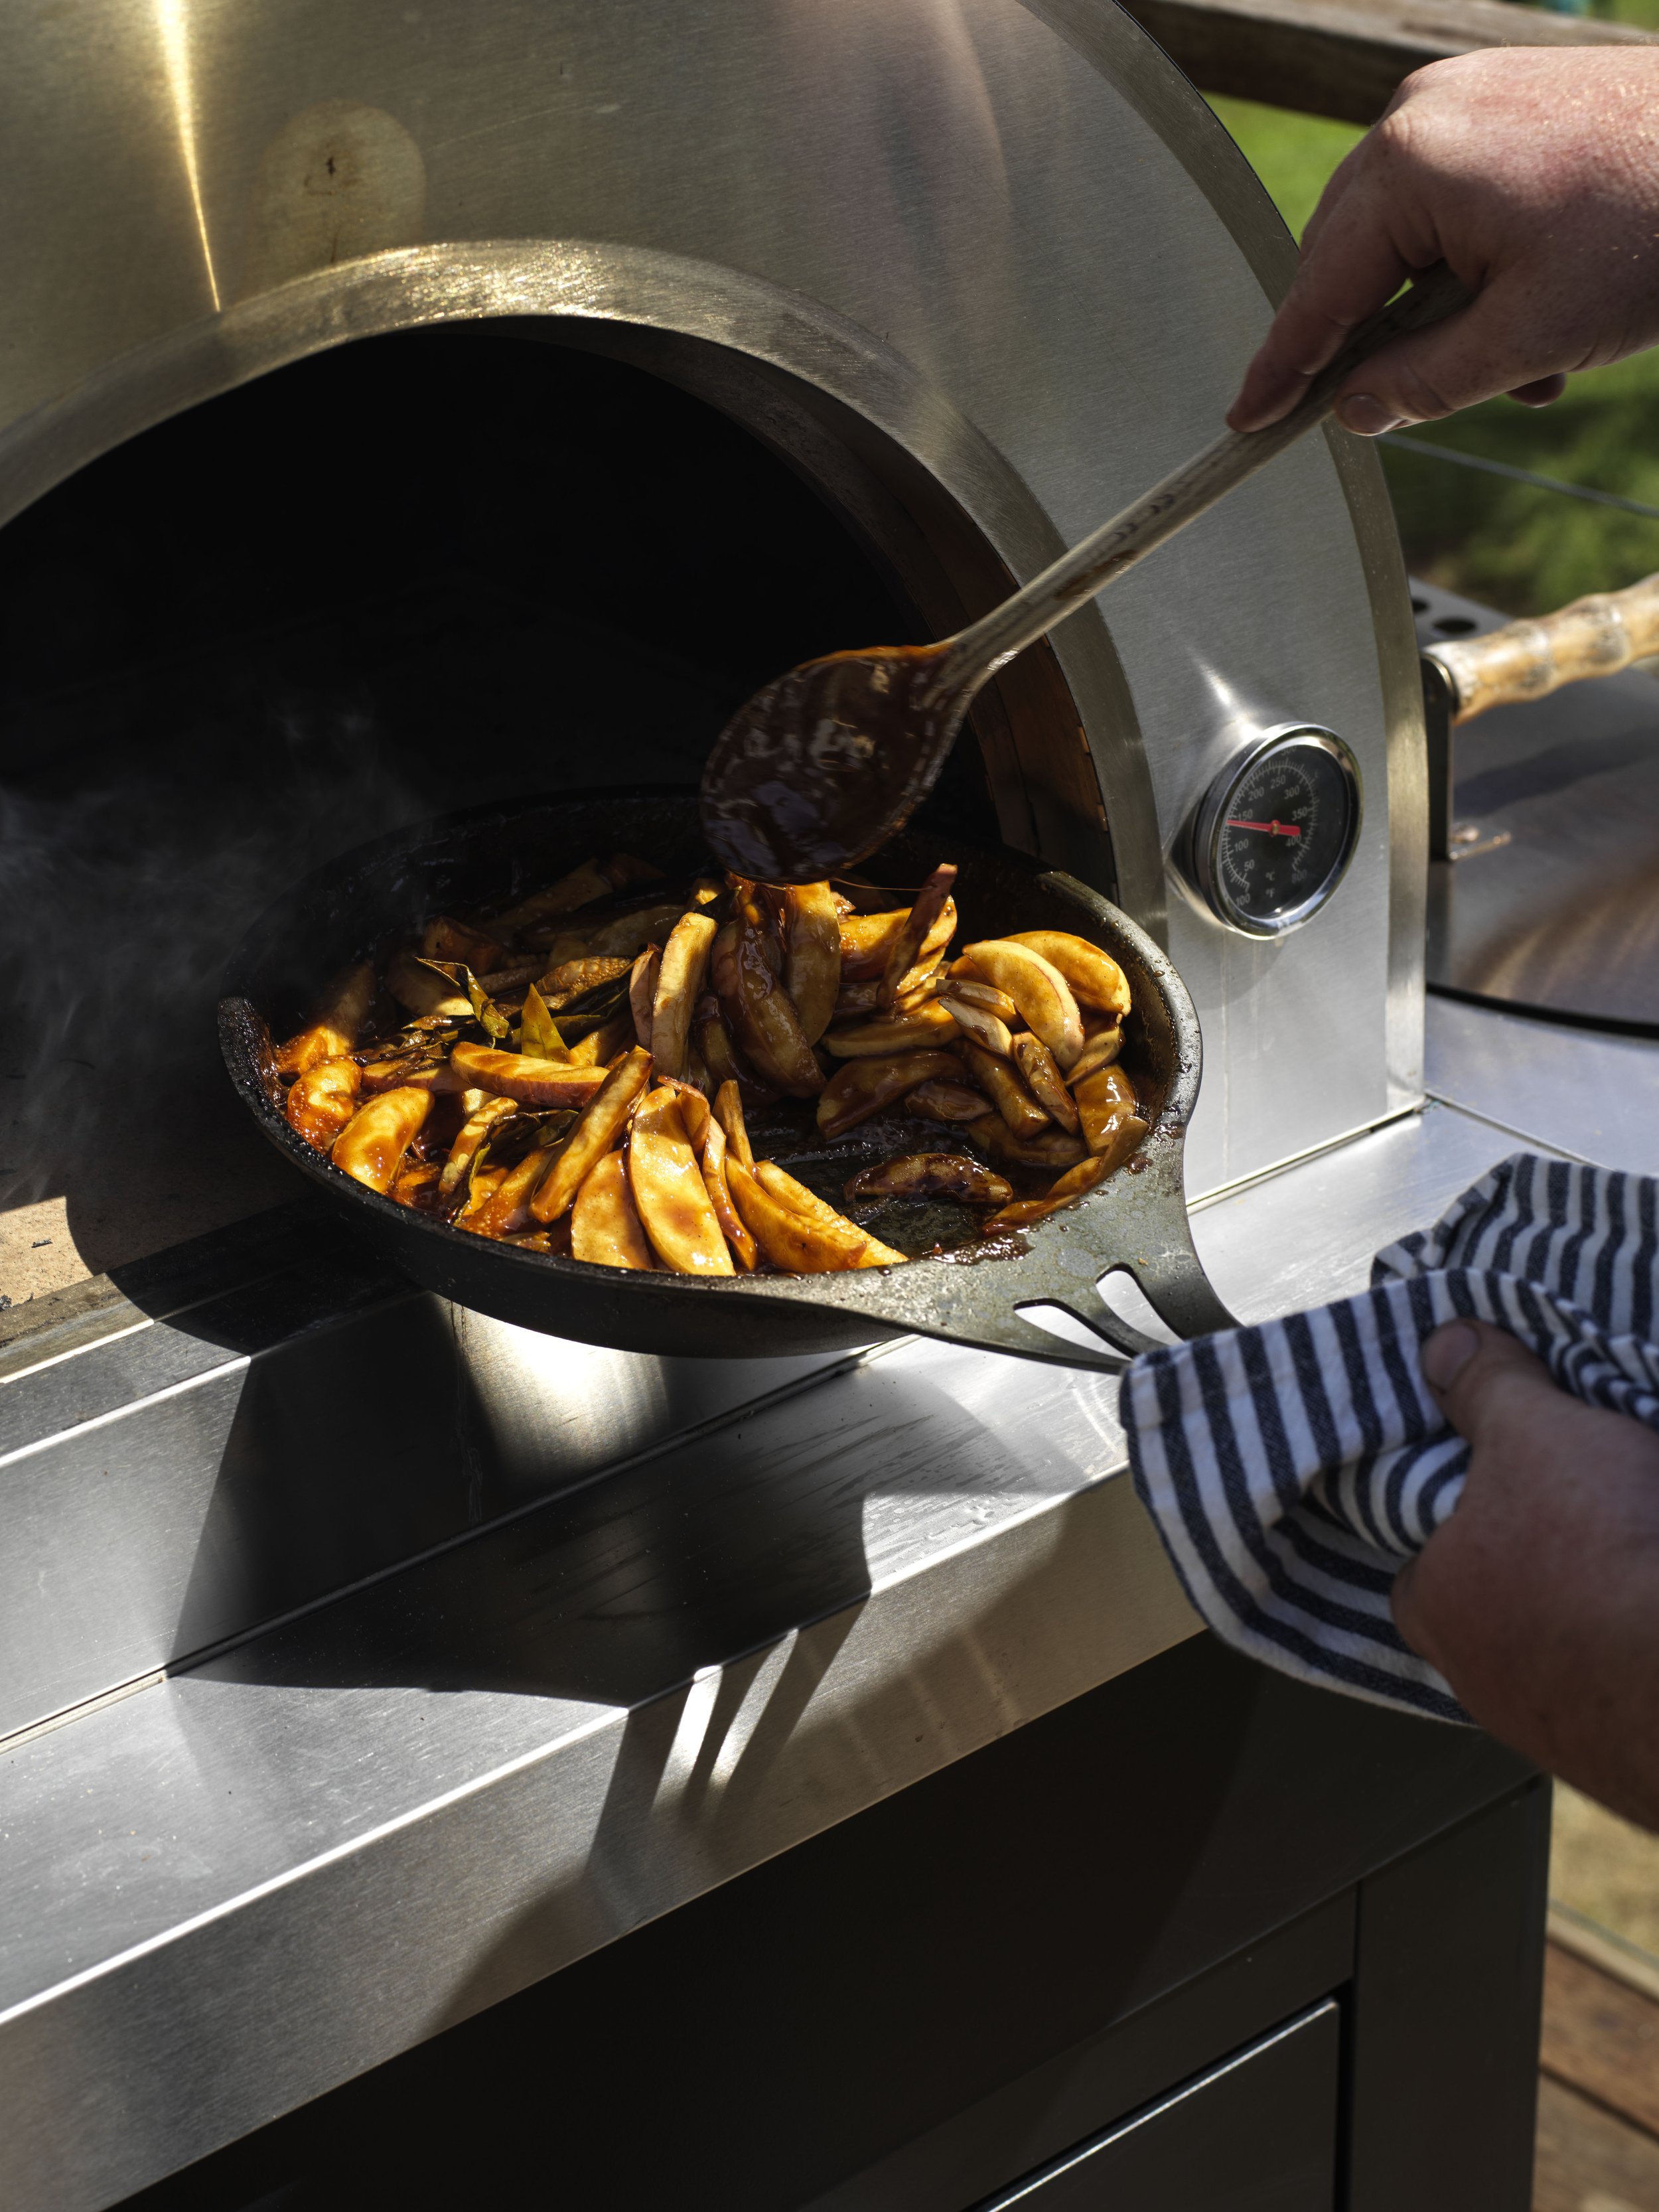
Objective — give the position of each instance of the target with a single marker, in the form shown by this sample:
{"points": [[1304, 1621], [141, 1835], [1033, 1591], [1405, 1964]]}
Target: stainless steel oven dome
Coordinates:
{"points": [[978, 268]]}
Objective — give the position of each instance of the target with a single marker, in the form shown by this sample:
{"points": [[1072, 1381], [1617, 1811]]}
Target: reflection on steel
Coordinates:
{"points": [[1564, 1090], [1558, 906], [173, 25], [1468, 841]]}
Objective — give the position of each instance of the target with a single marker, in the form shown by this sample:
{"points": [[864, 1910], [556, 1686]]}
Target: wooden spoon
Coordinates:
{"points": [[826, 763]]}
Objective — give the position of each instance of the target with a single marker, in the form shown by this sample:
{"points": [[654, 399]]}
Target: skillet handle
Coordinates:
{"points": [[1011, 1332], [1179, 1292], [1177, 1285], [1594, 637]]}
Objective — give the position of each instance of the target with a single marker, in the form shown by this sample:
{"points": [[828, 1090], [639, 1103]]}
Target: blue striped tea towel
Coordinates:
{"points": [[1291, 1468]]}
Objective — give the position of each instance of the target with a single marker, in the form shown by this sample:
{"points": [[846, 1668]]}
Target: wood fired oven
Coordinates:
{"points": [[977, 273], [448, 1763]]}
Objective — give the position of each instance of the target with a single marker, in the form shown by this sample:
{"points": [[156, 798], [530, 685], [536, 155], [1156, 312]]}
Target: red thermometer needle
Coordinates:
{"points": [[1274, 829]]}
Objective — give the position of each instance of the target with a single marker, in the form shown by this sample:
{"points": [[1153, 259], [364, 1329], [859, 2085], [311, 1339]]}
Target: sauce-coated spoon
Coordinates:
{"points": [[827, 762]]}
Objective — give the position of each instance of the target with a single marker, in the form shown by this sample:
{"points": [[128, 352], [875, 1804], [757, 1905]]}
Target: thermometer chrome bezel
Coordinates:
{"points": [[1284, 737]]}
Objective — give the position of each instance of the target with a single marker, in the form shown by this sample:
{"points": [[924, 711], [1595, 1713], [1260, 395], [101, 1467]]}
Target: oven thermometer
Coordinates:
{"points": [[1276, 829]]}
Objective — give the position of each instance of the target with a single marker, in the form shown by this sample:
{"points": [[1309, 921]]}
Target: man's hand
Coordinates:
{"points": [[1534, 173], [1539, 1599]]}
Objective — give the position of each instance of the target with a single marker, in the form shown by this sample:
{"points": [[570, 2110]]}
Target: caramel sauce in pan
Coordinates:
{"points": [[825, 764]]}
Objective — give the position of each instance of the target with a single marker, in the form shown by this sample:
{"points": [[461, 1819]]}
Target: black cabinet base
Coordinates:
{"points": [[916, 2010], [1255, 2134]]}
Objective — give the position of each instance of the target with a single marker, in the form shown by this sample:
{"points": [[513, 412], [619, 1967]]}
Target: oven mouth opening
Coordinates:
{"points": [[453, 559], [406, 576]]}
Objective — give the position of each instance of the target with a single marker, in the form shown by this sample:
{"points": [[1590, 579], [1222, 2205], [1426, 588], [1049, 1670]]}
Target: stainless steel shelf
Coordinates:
{"points": [[728, 1620]]}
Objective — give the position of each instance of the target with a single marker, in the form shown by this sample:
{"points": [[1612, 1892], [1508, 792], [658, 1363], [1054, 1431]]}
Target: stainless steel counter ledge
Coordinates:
{"points": [[229, 1892], [1592, 1095]]}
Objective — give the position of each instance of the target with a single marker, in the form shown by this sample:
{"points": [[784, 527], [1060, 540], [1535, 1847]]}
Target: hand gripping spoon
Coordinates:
{"points": [[826, 763]]}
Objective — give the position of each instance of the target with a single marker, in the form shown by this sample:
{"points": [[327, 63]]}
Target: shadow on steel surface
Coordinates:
{"points": [[208, 1440], [632, 1580], [676, 1752]]}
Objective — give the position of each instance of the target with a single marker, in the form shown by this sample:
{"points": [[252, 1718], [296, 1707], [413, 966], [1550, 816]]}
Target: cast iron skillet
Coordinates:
{"points": [[1136, 1221]]}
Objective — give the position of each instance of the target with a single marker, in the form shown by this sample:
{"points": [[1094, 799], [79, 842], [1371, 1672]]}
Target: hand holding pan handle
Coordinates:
{"points": [[1594, 636]]}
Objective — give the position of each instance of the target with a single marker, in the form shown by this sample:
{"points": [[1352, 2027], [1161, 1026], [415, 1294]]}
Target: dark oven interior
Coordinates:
{"points": [[418, 572]]}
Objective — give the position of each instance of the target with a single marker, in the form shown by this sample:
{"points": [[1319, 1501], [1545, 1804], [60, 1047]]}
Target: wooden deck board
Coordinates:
{"points": [[1601, 2038], [1588, 2161], [1598, 2104]]}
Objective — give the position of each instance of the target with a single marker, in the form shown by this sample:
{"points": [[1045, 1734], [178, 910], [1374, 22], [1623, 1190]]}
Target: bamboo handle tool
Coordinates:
{"points": [[1596, 636]]}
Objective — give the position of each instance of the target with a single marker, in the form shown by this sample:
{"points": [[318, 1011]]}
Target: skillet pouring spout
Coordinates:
{"points": [[980, 1295]]}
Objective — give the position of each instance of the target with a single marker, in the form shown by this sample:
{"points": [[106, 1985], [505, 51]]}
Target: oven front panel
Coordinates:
{"points": [[1012, 234]]}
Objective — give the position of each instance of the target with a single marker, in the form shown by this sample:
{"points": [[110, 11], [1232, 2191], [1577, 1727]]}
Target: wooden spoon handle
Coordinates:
{"points": [[1594, 636], [970, 657]]}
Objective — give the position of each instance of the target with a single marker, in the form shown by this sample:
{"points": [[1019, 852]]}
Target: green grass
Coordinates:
{"points": [[1520, 548]]}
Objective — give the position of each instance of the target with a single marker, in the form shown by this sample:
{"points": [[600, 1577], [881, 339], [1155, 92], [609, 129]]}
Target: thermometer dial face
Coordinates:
{"points": [[1277, 831]]}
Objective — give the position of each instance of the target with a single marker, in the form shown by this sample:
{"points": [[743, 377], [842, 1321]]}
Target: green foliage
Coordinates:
{"points": [[1520, 548], [1292, 154]]}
